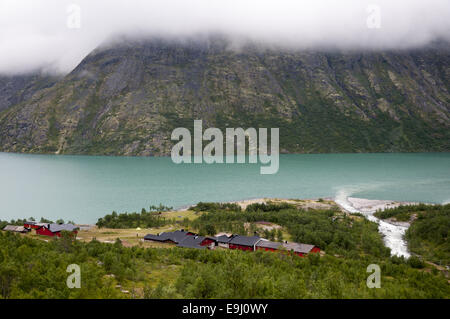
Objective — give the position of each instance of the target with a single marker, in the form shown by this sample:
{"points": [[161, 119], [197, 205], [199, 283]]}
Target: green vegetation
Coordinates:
{"points": [[35, 269], [31, 268], [268, 207], [146, 219], [203, 207], [428, 234], [406, 212]]}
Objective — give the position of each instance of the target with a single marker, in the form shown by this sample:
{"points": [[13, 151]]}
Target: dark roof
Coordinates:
{"points": [[268, 244], [223, 239], [192, 242], [160, 237], [164, 236], [59, 227], [245, 240], [152, 237], [298, 248], [176, 236]]}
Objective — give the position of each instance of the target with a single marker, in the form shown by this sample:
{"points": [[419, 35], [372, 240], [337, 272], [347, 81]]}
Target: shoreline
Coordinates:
{"points": [[168, 155]]}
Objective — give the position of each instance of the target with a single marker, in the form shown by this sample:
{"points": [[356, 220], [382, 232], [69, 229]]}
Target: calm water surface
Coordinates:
{"points": [[84, 188]]}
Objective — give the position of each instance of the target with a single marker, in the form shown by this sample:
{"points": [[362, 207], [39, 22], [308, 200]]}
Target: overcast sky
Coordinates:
{"points": [[48, 34]]}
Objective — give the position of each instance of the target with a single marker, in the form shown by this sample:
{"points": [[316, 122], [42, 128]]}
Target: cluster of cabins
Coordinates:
{"points": [[182, 238], [46, 229]]}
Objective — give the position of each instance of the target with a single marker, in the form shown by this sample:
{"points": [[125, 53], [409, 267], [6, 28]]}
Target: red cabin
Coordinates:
{"points": [[208, 241], [56, 229], [244, 242], [33, 225], [267, 245], [301, 249]]}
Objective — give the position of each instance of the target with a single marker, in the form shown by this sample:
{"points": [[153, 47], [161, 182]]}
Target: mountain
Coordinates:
{"points": [[17, 88], [126, 98]]}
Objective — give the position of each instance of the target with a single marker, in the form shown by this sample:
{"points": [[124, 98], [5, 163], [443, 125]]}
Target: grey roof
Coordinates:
{"points": [[268, 244], [223, 239], [298, 248], [245, 240], [19, 229], [59, 227], [192, 242]]}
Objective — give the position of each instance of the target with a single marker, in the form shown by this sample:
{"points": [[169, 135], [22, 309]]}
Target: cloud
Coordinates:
{"points": [[43, 34]]}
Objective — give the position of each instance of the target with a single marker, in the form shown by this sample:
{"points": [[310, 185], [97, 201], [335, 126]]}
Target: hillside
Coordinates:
{"points": [[125, 99], [17, 88], [33, 268]]}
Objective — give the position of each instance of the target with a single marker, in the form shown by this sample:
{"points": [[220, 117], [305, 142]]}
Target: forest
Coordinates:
{"points": [[145, 219], [32, 268]]}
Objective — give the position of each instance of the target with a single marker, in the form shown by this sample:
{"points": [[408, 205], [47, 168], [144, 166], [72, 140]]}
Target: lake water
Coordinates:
{"points": [[84, 188]]}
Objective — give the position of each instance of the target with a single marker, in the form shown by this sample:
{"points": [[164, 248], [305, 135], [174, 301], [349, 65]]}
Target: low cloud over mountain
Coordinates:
{"points": [[55, 35]]}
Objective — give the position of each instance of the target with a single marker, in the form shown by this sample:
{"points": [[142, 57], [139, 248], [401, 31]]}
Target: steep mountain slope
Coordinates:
{"points": [[125, 99], [17, 88]]}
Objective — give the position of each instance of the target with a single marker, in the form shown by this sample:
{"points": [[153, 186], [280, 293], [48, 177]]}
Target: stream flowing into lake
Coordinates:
{"points": [[393, 233]]}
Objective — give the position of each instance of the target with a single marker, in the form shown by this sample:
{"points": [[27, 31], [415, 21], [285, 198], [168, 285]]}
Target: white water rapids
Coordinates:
{"points": [[393, 233]]}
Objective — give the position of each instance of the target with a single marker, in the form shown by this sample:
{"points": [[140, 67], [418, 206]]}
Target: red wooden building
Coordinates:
{"points": [[56, 229], [208, 241], [267, 245], [199, 242], [34, 225], [244, 242], [301, 249]]}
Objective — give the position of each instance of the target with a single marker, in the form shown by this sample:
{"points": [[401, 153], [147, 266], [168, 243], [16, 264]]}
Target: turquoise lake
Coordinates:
{"points": [[84, 188]]}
